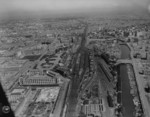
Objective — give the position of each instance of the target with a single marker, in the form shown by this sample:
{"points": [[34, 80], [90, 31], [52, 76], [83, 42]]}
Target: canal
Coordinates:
{"points": [[125, 52], [126, 100]]}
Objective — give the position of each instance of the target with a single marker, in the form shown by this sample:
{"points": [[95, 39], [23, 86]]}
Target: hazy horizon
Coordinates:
{"points": [[59, 7]]}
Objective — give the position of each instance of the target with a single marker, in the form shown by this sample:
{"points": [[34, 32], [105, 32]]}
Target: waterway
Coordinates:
{"points": [[126, 98], [125, 52]]}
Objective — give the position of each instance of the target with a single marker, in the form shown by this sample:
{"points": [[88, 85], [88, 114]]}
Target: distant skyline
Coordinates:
{"points": [[69, 6]]}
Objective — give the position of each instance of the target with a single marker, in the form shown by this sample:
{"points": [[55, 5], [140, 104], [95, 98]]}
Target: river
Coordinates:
{"points": [[126, 97]]}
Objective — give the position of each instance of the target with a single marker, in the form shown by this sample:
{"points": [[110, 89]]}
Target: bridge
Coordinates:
{"points": [[99, 39], [126, 61]]}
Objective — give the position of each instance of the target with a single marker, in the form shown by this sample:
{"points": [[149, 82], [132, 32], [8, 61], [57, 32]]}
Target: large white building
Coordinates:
{"points": [[38, 80]]}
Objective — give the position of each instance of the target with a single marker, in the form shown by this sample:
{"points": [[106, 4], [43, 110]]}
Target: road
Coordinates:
{"points": [[72, 101], [61, 99], [15, 78], [125, 61], [141, 84], [28, 65]]}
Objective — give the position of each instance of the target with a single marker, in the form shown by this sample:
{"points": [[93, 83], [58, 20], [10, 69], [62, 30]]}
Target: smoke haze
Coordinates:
{"points": [[72, 6]]}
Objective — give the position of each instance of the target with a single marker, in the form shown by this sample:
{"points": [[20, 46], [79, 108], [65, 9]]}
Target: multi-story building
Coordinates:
{"points": [[38, 80]]}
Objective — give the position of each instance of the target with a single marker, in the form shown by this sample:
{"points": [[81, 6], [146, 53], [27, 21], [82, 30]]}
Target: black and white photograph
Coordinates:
{"points": [[74, 58]]}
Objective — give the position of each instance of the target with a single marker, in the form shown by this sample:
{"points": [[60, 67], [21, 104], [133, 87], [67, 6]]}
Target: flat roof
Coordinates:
{"points": [[18, 90]]}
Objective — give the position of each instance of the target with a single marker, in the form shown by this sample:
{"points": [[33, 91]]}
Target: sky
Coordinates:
{"points": [[71, 5]]}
